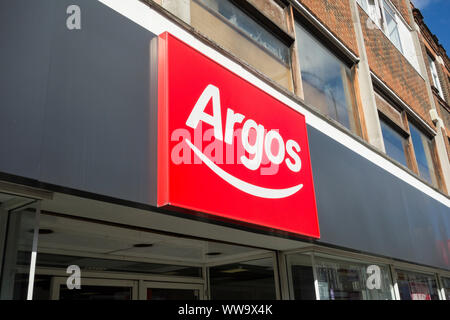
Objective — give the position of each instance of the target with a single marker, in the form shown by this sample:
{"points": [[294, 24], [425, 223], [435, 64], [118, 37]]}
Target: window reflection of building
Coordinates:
{"points": [[416, 286], [326, 80], [238, 33]]}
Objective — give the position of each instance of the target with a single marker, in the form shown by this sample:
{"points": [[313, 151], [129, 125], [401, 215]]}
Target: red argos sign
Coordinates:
{"points": [[228, 149]]}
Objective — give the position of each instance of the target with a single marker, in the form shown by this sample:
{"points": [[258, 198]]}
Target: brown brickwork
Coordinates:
{"points": [[394, 70], [336, 16], [401, 6]]}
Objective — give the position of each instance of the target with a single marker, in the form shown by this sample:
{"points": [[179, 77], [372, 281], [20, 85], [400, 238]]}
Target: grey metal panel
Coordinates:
{"points": [[363, 207], [25, 42], [89, 128]]}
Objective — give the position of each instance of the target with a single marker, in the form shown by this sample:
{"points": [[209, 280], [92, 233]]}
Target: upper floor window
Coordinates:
{"points": [[388, 19], [326, 80], [373, 10], [229, 26], [434, 75], [423, 149], [405, 142], [394, 142], [391, 27]]}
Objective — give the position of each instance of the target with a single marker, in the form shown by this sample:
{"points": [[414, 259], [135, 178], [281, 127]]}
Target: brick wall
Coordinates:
{"points": [[336, 15], [394, 70]]}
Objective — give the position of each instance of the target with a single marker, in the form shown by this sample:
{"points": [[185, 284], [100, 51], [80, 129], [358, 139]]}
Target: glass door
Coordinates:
{"points": [[94, 289], [21, 226], [171, 291]]}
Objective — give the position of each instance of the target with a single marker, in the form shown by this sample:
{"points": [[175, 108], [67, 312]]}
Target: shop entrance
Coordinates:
{"points": [[113, 289], [119, 262]]}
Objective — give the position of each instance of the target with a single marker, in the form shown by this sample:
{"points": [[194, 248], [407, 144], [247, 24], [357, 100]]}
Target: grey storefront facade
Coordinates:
{"points": [[78, 184]]}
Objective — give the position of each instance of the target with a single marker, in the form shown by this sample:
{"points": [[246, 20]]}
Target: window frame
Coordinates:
{"points": [[259, 19], [388, 8], [317, 32], [404, 134], [396, 267], [434, 156], [407, 120], [434, 74], [379, 18], [402, 128]]}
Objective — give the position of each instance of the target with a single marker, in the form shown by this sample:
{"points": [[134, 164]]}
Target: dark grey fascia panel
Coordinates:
{"points": [[75, 104], [363, 207]]}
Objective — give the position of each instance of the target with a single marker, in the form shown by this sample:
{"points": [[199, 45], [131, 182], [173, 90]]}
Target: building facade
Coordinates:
{"points": [[138, 158]]}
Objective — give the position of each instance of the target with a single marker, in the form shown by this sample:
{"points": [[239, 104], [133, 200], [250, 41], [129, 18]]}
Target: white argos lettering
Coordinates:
{"points": [[297, 164], [273, 135], [254, 139], [232, 119], [257, 148], [198, 113]]}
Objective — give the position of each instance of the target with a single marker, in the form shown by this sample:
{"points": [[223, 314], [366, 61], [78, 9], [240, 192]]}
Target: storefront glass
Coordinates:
{"points": [[446, 287], [115, 262], [17, 254], [300, 277], [253, 280], [416, 286], [352, 280]]}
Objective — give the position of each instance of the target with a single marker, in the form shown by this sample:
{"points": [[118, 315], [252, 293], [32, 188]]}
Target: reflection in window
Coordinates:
{"points": [[301, 277], [423, 147], [17, 256], [341, 280], [231, 28], [446, 286], [391, 26], [394, 143], [372, 9], [249, 280], [435, 75], [87, 292], [327, 81], [416, 286]]}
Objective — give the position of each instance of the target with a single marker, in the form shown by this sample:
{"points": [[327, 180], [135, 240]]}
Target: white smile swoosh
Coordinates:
{"points": [[242, 185]]}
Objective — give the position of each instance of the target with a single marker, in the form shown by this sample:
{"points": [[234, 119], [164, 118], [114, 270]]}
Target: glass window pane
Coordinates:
{"points": [[103, 252], [363, 4], [416, 286], [434, 75], [248, 280], [394, 143], [422, 149], [392, 27], [326, 79], [301, 277], [231, 28], [89, 292], [17, 257], [446, 285], [348, 280], [47, 260], [172, 294]]}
